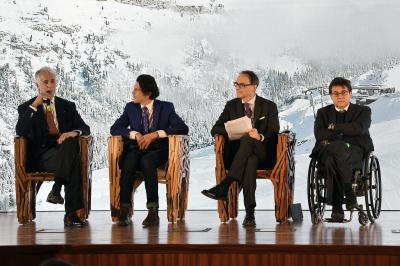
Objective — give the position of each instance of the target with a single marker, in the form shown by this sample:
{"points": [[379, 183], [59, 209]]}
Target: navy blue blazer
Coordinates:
{"points": [[164, 118]]}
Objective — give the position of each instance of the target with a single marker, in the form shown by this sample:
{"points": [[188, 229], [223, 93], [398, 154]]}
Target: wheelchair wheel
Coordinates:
{"points": [[373, 187], [316, 189]]}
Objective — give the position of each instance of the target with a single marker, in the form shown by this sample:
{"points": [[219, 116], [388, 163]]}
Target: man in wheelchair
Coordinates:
{"points": [[342, 138]]}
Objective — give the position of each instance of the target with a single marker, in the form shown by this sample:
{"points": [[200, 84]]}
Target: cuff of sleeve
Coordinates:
{"points": [[262, 137], [79, 132], [132, 134], [33, 108], [161, 134]]}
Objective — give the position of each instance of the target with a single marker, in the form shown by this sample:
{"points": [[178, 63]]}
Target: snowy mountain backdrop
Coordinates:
{"points": [[194, 48]]}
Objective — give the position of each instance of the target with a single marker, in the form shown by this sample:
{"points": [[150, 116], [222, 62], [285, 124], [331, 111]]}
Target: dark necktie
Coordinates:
{"points": [[53, 130], [247, 110], [145, 120]]}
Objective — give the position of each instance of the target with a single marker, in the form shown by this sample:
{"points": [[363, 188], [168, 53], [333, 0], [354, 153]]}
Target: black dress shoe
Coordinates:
{"points": [[152, 218], [337, 214], [55, 197], [72, 219], [218, 192], [124, 218], [249, 220]]}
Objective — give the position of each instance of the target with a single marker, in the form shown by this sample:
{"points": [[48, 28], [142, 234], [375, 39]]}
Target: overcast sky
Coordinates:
{"points": [[312, 30]]}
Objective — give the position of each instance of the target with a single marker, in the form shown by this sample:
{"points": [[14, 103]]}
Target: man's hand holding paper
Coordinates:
{"points": [[237, 128]]}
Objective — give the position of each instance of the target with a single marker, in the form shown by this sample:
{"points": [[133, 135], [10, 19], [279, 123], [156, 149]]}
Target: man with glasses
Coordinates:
{"points": [[255, 150], [342, 138]]}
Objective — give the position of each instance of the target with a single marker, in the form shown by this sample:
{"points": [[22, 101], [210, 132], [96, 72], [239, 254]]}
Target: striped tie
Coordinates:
{"points": [[145, 120]]}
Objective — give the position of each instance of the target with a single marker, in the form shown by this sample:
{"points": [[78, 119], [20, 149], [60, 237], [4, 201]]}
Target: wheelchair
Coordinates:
{"points": [[366, 182]]}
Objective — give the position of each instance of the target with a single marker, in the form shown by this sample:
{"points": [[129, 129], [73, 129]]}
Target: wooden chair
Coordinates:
{"points": [[282, 177], [27, 185], [175, 176]]}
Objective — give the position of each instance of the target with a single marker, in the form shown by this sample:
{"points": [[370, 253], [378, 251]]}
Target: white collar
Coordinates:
{"points": [[339, 110], [251, 101], [149, 105]]}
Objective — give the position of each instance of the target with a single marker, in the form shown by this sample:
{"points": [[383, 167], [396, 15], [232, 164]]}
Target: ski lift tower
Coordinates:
{"points": [[310, 91]]}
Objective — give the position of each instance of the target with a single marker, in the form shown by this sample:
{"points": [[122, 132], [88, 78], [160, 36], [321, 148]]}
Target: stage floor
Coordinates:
{"points": [[201, 232]]}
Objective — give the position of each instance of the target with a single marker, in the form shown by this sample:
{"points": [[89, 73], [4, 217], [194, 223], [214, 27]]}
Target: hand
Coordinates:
{"points": [[331, 126], [39, 99], [254, 134], [66, 135], [145, 141]]}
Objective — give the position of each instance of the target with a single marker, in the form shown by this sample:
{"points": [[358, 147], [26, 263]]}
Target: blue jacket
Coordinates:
{"points": [[164, 118]]}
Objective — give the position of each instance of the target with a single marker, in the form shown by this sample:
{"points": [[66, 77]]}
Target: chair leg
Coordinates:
{"points": [[20, 195], [223, 206], [233, 200], [33, 199], [183, 198], [172, 199]]}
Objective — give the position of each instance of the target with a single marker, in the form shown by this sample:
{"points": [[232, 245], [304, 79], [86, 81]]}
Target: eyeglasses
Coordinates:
{"points": [[337, 94], [240, 85]]}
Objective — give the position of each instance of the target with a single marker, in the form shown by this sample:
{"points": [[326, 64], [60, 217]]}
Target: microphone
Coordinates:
{"points": [[46, 101]]}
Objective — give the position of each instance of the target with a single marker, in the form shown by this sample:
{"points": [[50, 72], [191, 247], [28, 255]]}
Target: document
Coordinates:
{"points": [[238, 128]]}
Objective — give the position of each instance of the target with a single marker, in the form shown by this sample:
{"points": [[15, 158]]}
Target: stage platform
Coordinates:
{"points": [[200, 240]]}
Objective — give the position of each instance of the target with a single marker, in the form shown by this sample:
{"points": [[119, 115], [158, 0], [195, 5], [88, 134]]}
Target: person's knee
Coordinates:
{"points": [[337, 148], [70, 143], [147, 164], [246, 138], [252, 161]]}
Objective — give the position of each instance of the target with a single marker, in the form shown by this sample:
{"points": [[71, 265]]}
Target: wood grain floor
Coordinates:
{"points": [[200, 240]]}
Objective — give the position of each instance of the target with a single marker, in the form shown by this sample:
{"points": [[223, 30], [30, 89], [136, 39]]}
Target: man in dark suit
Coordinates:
{"points": [[145, 125], [51, 125], [342, 138], [255, 150]]}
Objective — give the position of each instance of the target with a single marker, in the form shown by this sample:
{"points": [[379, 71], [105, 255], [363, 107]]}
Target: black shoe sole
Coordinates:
{"points": [[249, 224], [212, 196], [74, 225], [124, 223], [55, 202]]}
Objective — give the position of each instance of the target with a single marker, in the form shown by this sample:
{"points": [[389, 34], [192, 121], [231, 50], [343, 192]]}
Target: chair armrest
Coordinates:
{"points": [[115, 149], [178, 156]]}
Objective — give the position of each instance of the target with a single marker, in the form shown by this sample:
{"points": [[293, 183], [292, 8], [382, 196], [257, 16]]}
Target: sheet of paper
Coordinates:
{"points": [[238, 128]]}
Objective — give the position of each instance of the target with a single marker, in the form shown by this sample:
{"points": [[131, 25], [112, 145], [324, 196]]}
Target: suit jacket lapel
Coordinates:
{"points": [[59, 114], [138, 116], [257, 109], [332, 115], [350, 113], [156, 115], [42, 118], [239, 108]]}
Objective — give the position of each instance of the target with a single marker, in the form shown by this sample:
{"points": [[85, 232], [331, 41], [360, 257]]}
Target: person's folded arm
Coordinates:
{"points": [[357, 127]]}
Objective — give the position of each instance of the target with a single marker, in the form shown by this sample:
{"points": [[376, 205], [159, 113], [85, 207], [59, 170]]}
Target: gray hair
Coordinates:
{"points": [[45, 69]]}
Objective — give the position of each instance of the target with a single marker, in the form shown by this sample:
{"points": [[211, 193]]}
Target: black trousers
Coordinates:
{"points": [[250, 155], [64, 160], [339, 160], [147, 162]]}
